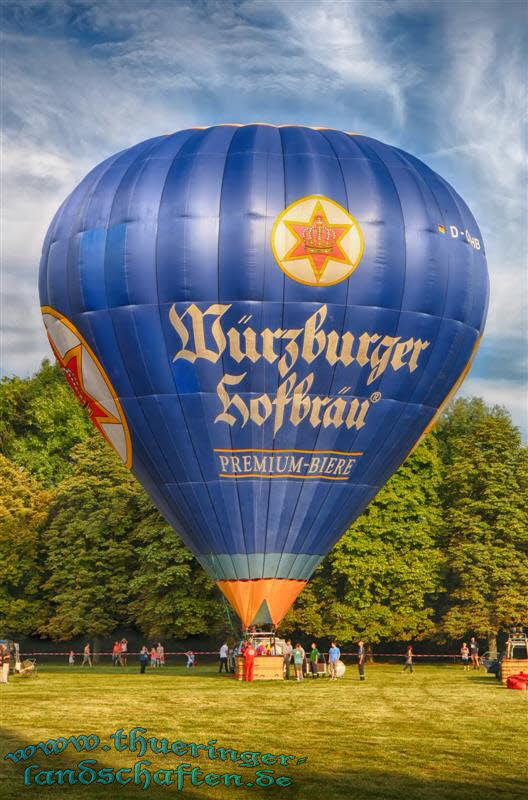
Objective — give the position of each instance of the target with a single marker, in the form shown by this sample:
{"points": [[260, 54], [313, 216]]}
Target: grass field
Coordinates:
{"points": [[438, 734]]}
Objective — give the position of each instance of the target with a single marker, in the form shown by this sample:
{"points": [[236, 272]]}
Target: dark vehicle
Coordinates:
{"points": [[516, 650]]}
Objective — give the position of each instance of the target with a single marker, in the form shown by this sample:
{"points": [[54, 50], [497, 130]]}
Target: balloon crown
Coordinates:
{"points": [[319, 238]]}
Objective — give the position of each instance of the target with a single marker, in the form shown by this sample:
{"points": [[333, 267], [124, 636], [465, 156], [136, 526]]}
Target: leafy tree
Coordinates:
{"points": [[23, 506], [89, 548], [40, 421], [171, 595], [112, 560], [381, 578], [485, 498]]}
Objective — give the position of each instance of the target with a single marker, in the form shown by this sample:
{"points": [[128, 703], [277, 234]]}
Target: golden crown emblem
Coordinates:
{"points": [[319, 238]]}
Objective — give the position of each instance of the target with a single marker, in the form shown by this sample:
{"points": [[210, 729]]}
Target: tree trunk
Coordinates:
{"points": [[492, 642], [96, 649]]}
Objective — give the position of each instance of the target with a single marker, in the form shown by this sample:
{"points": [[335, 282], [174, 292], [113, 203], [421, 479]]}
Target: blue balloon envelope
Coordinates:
{"points": [[263, 321]]}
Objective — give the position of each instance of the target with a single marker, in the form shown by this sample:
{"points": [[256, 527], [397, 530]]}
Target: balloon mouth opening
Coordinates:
{"points": [[264, 601]]}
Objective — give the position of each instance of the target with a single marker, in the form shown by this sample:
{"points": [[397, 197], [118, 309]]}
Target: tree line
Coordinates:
{"points": [[440, 552]]}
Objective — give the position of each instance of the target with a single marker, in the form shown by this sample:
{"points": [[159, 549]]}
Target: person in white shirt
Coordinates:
{"points": [[87, 659], [124, 652], [223, 657]]}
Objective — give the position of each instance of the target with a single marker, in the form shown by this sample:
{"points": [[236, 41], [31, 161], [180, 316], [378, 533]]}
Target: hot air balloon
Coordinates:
{"points": [[263, 322]]}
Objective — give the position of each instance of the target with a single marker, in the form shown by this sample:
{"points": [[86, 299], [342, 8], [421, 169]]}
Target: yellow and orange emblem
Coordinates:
{"points": [[316, 241], [89, 381]]}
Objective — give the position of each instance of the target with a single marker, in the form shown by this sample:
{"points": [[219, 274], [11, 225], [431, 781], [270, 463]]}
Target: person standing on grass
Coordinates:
{"points": [[314, 658], [153, 657], [71, 658], [464, 655], [143, 659], [123, 652], [190, 659], [362, 659], [298, 661], [223, 655], [5, 658], [408, 659], [249, 660], [474, 651], [161, 654], [116, 652], [87, 657], [334, 654], [286, 655]]}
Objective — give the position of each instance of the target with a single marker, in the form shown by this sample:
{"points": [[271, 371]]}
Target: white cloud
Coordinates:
{"points": [[348, 42], [511, 395], [481, 137], [92, 79]]}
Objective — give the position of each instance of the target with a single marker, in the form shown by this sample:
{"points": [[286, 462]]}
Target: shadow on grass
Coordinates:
{"points": [[368, 783], [490, 680]]}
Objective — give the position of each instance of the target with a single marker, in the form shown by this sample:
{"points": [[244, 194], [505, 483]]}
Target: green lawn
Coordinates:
{"points": [[439, 733]]}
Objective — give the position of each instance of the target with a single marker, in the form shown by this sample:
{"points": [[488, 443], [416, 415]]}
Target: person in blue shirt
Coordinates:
{"points": [[334, 654]]}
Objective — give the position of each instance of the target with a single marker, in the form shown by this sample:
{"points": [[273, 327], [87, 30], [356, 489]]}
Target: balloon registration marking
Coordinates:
{"points": [[316, 242], [89, 382]]}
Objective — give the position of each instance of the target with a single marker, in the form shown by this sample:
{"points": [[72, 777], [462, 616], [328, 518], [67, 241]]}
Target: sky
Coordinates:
{"points": [[446, 81]]}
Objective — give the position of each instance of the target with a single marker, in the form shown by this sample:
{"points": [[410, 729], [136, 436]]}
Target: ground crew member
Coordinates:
{"points": [[249, 660]]}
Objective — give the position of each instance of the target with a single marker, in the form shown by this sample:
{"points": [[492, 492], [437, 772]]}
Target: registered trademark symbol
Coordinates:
{"points": [[375, 397]]}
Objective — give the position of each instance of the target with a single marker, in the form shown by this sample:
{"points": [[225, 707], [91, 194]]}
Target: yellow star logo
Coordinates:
{"points": [[317, 240]]}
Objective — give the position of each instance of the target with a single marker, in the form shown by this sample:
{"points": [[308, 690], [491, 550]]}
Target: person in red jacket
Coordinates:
{"points": [[249, 660]]}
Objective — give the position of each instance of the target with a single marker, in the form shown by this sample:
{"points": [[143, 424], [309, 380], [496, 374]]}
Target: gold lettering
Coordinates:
{"points": [[365, 339], [250, 345], [317, 404], [347, 342], [282, 400], [260, 465], [314, 335], [400, 351], [198, 331], [277, 463], [301, 401], [296, 464], [418, 347], [357, 413], [268, 337], [227, 402], [381, 362], [334, 413], [255, 404], [291, 351], [348, 468]]}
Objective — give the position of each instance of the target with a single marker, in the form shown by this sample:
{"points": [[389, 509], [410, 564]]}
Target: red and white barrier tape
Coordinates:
{"points": [[215, 653]]}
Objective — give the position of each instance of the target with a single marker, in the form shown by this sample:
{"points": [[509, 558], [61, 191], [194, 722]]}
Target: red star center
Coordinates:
{"points": [[317, 240], [71, 367]]}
